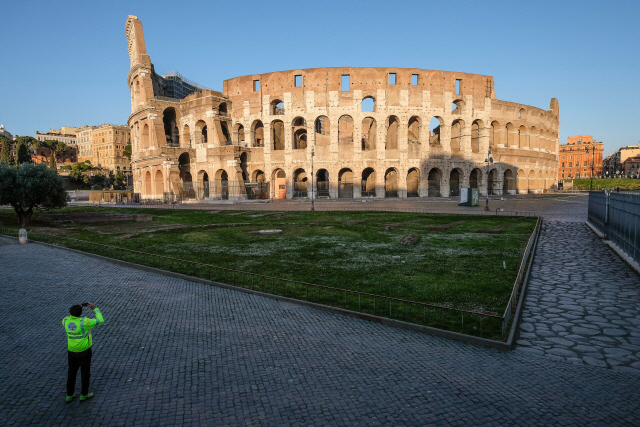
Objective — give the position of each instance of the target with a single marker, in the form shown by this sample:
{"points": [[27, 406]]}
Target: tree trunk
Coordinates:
{"points": [[24, 218]]}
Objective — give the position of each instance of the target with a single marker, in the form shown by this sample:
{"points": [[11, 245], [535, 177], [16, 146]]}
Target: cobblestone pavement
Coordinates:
{"points": [[583, 303], [173, 352]]}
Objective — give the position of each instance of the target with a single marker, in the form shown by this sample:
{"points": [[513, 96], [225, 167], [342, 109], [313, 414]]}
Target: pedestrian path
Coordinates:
{"points": [[173, 352], [583, 303]]}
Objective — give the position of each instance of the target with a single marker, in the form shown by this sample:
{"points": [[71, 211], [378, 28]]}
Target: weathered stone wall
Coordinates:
{"points": [[279, 120]]}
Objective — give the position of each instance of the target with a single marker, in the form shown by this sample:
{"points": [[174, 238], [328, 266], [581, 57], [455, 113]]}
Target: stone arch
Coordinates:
{"points": [[222, 184], [413, 182], [368, 104], [533, 138], [391, 183], [368, 184], [435, 125], [243, 167], [277, 107], [369, 129], [456, 135], [222, 109], [171, 132], [322, 183], [531, 182], [454, 182], [522, 114], [434, 181], [258, 176], [300, 184], [457, 106], [475, 178], [508, 182], [475, 135], [345, 183], [522, 137], [226, 135], [345, 130], [145, 137], [413, 130], [239, 134], [159, 182], [322, 131], [494, 134], [257, 133], [299, 128], [277, 135], [202, 133], [279, 179], [391, 141]]}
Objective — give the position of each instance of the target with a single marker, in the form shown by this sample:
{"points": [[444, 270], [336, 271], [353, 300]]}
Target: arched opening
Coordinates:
{"points": [[299, 183], [222, 184], [413, 182], [391, 141], [222, 109], [225, 133], [391, 183], [456, 135], [493, 183], [531, 184], [522, 135], [533, 138], [240, 135], [369, 134], [299, 127], [522, 181], [280, 184], [368, 105], [322, 131], [144, 140], [277, 107], [493, 135], [435, 124], [159, 185], [147, 185], [368, 184], [184, 165], [454, 183], [475, 178], [186, 136], [512, 136], [522, 113], [345, 184], [257, 130], [171, 132], [201, 135], [508, 183], [258, 176], [457, 106], [434, 179], [322, 183], [203, 185], [475, 136], [345, 130], [259, 187], [277, 135]]}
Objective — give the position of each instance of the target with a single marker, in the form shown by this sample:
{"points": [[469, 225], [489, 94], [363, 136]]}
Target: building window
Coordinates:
{"points": [[298, 81], [570, 164], [414, 80], [392, 78], [345, 83], [256, 85]]}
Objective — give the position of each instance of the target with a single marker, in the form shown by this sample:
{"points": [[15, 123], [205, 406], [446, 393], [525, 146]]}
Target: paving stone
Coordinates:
{"points": [[561, 352], [595, 362]]}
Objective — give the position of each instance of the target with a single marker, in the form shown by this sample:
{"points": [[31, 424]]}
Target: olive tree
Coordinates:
{"points": [[28, 188]]}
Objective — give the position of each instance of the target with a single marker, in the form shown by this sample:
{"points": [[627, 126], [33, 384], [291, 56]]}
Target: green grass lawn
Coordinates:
{"points": [[457, 260], [607, 184]]}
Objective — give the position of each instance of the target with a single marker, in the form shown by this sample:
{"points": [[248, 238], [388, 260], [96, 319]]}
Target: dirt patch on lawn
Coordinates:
{"points": [[443, 227], [47, 230], [410, 239], [353, 222]]}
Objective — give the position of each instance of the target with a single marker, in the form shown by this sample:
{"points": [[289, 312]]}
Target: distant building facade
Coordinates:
{"points": [[614, 165], [577, 157], [108, 143], [631, 167], [65, 134], [67, 157], [4, 132], [84, 138]]}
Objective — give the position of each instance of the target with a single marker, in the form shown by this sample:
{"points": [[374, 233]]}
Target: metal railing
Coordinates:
{"points": [[598, 209], [483, 324]]}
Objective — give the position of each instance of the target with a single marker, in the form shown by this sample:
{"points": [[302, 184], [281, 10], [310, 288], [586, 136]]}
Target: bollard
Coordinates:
{"points": [[22, 236]]}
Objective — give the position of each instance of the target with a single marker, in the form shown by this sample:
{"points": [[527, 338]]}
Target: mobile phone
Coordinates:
{"points": [[84, 304]]}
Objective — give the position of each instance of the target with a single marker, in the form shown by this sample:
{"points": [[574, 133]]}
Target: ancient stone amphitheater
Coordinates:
{"points": [[337, 132]]}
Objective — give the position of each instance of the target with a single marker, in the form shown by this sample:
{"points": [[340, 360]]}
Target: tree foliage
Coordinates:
{"points": [[5, 151], [127, 151], [28, 188], [22, 153], [52, 162]]}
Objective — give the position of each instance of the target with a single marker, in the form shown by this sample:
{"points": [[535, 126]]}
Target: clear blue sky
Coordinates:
{"points": [[66, 62]]}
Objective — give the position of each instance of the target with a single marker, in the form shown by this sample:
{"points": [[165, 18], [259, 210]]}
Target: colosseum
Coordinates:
{"points": [[341, 132]]}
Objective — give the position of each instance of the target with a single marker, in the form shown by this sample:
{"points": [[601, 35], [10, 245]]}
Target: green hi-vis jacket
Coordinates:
{"points": [[79, 330]]}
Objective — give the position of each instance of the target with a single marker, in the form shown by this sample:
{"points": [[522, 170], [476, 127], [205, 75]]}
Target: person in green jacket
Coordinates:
{"points": [[79, 345]]}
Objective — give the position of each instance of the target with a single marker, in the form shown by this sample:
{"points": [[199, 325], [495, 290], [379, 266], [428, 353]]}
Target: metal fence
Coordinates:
{"points": [[617, 217], [483, 324]]}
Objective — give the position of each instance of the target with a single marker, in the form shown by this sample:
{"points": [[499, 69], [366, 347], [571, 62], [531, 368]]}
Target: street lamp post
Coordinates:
{"points": [[592, 160], [488, 161], [312, 175]]}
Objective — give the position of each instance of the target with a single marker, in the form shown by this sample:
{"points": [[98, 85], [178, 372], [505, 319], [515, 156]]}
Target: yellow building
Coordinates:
{"points": [[84, 138], [108, 142]]}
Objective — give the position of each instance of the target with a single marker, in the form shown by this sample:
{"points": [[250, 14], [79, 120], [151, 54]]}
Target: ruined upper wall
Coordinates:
{"points": [[364, 79]]}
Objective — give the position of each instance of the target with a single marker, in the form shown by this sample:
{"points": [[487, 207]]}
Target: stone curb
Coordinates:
{"points": [[499, 345], [622, 254]]}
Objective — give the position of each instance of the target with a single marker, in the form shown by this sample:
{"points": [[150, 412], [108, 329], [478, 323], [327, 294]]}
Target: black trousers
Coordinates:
{"points": [[80, 360]]}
